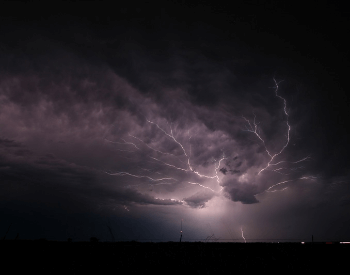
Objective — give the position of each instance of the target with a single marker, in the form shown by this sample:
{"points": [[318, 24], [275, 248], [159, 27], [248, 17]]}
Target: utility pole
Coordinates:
{"points": [[7, 232], [181, 231], [110, 230]]}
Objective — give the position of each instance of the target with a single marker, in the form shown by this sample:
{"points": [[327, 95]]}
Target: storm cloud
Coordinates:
{"points": [[171, 116]]}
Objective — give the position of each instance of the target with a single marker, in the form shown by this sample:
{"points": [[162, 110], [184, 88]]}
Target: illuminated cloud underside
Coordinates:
{"points": [[177, 159]]}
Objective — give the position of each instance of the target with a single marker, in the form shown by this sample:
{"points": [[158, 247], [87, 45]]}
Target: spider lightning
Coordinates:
{"points": [[125, 142], [279, 183], [187, 155], [254, 129], [187, 167], [137, 176]]}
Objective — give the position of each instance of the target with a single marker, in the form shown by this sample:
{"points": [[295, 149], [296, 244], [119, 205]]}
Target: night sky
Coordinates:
{"points": [[229, 119]]}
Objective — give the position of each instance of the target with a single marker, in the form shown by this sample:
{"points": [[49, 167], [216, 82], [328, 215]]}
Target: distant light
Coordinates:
{"points": [[345, 242], [302, 242]]}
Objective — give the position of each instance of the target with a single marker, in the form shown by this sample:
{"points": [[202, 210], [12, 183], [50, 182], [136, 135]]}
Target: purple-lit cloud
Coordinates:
{"points": [[122, 121]]}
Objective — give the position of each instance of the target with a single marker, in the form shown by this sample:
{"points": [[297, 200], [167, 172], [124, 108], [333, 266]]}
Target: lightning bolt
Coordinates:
{"points": [[137, 176], [188, 156], [166, 158], [196, 183], [125, 142], [167, 164], [164, 153], [279, 183], [243, 235], [188, 169], [254, 129]]}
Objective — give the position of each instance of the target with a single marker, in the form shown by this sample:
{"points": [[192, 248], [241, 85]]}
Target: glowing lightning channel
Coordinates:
{"points": [[164, 153], [284, 161], [171, 135], [278, 190], [243, 235], [137, 176], [279, 183], [125, 142], [217, 167], [196, 183], [255, 131], [188, 156], [186, 170]]}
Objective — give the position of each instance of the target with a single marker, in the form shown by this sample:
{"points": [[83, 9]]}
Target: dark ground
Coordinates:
{"points": [[48, 257]]}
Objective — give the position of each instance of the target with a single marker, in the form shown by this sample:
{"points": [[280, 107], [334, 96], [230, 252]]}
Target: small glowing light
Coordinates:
{"points": [[302, 242], [345, 242]]}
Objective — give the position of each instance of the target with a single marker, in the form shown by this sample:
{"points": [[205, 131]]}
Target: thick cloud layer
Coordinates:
{"points": [[126, 117]]}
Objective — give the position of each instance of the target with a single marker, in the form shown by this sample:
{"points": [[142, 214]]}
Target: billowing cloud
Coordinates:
{"points": [[199, 199], [122, 118]]}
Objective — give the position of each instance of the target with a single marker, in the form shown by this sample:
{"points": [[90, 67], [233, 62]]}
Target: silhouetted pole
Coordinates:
{"points": [[181, 232], [7, 232], [110, 231]]}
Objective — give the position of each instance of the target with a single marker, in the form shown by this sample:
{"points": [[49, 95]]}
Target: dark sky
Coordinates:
{"points": [[231, 119]]}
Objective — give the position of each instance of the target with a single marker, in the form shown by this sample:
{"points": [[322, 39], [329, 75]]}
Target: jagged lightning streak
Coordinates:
{"points": [[243, 235], [286, 174], [196, 183], [137, 176], [187, 155], [279, 183], [216, 171], [125, 142], [168, 164], [171, 135], [255, 130], [158, 151]]}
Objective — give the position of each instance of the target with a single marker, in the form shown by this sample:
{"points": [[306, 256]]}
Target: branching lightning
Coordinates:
{"points": [[279, 183], [164, 153], [253, 128], [125, 142], [137, 176], [196, 183], [187, 155], [164, 158]]}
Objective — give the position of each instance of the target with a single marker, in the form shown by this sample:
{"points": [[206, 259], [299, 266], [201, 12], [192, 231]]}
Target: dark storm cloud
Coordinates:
{"points": [[63, 95], [243, 194], [199, 199], [84, 83], [223, 170], [76, 94], [40, 176]]}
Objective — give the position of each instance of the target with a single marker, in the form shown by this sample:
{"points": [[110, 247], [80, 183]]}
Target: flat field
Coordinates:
{"points": [[50, 257]]}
